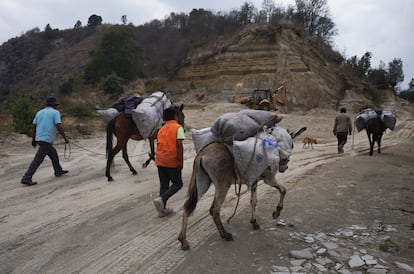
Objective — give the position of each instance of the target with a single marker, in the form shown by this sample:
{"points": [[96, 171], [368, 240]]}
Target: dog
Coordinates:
{"points": [[308, 142]]}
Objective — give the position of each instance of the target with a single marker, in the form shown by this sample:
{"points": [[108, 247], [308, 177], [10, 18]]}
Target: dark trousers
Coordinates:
{"points": [[342, 138], [44, 149], [166, 176]]}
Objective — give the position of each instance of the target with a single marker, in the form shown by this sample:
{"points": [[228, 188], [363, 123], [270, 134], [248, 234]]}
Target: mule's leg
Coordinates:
{"points": [[379, 143], [219, 196], [253, 203], [182, 237], [126, 159], [371, 144], [271, 180]]}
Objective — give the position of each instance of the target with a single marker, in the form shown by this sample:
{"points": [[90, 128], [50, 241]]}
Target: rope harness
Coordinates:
{"points": [[239, 181]]}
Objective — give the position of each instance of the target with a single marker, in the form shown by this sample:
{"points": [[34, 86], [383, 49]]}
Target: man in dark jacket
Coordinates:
{"points": [[341, 129]]}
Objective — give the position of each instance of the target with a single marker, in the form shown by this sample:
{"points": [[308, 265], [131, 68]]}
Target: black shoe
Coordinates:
{"points": [[61, 173], [28, 182]]}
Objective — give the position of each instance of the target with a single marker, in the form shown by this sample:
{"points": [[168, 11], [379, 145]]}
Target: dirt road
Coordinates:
{"points": [[80, 223]]}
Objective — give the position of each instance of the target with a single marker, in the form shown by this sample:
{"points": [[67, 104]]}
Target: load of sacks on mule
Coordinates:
{"points": [[254, 138]]}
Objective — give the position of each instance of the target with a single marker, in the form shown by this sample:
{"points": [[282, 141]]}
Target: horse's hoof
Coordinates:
{"points": [[134, 172], [228, 237], [256, 226], [276, 214], [184, 244], [110, 179]]}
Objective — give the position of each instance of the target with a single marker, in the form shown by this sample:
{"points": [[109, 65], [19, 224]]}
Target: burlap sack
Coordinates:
{"points": [[389, 118], [202, 137], [108, 114], [148, 114]]}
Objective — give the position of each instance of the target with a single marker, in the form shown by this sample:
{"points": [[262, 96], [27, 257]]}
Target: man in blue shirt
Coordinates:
{"points": [[44, 128]]}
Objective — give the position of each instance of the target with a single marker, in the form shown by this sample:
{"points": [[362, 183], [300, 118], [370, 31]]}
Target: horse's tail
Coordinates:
{"points": [[192, 198], [109, 137]]}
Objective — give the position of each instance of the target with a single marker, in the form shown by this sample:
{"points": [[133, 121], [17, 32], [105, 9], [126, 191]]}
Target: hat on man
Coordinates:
{"points": [[51, 102]]}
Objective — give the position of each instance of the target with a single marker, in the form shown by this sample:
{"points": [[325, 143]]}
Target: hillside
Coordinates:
{"points": [[258, 56]]}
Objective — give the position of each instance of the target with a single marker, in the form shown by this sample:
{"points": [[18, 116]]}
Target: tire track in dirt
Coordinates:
{"points": [[201, 226]]}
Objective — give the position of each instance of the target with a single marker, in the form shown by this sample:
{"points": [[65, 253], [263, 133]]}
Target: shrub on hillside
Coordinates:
{"points": [[113, 84], [23, 111], [80, 109]]}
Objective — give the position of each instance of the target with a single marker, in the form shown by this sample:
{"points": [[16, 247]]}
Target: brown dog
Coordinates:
{"points": [[308, 142]]}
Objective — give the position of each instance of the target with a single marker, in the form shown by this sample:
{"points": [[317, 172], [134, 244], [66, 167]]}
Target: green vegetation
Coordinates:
{"points": [[23, 111], [389, 246], [118, 53], [80, 109], [113, 84]]}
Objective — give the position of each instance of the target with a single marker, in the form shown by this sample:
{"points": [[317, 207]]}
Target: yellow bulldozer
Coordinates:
{"points": [[265, 99]]}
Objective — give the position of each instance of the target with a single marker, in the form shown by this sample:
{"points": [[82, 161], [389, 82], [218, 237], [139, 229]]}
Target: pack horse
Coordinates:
{"points": [[144, 124]]}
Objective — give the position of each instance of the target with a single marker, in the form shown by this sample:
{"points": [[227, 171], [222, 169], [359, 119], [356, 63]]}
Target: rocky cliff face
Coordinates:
{"points": [[262, 57], [259, 57]]}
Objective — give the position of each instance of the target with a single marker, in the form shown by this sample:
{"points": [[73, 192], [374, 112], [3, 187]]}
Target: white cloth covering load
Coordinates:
{"points": [[108, 114], [241, 125], [148, 114], [254, 155], [202, 137], [388, 118]]}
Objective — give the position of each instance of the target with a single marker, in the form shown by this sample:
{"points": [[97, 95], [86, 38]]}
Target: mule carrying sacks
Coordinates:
{"points": [[148, 114]]}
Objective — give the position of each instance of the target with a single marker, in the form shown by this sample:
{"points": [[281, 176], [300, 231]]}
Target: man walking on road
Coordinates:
{"points": [[341, 129], [44, 128], [169, 160]]}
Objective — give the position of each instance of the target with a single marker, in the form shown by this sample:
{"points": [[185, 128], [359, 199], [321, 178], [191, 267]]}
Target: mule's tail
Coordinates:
{"points": [[192, 198], [109, 137]]}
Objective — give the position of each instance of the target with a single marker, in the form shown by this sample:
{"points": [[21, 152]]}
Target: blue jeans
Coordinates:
{"points": [[44, 149]]}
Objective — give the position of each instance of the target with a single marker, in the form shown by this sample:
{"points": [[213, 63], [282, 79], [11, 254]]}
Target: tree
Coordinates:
{"points": [[315, 19], [118, 53], [124, 19], [395, 72], [247, 14], [94, 20], [360, 67], [78, 25], [268, 7]]}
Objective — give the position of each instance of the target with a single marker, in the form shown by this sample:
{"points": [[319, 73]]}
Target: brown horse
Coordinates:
{"points": [[124, 128], [217, 162]]}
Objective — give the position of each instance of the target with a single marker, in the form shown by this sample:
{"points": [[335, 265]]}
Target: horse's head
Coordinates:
{"points": [[180, 115]]}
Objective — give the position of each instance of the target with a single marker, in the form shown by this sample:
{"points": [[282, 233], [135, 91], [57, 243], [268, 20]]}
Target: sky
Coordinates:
{"points": [[383, 27]]}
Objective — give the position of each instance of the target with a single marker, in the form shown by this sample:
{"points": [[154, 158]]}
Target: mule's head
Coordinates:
{"points": [[286, 147]]}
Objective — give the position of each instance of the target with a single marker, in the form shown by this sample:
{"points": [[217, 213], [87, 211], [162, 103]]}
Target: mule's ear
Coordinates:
{"points": [[181, 107], [299, 132]]}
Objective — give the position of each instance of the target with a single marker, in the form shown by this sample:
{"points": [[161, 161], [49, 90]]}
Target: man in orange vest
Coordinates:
{"points": [[169, 160]]}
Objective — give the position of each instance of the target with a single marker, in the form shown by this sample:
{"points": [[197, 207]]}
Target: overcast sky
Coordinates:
{"points": [[383, 27]]}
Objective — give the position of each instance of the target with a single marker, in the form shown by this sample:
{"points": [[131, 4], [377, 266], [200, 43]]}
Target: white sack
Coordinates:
{"points": [[148, 114], [362, 118], [108, 114], [389, 119], [202, 137], [262, 117], [237, 125], [250, 159]]}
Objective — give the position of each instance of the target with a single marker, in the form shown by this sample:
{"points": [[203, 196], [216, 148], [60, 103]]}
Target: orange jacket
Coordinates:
{"points": [[167, 153]]}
